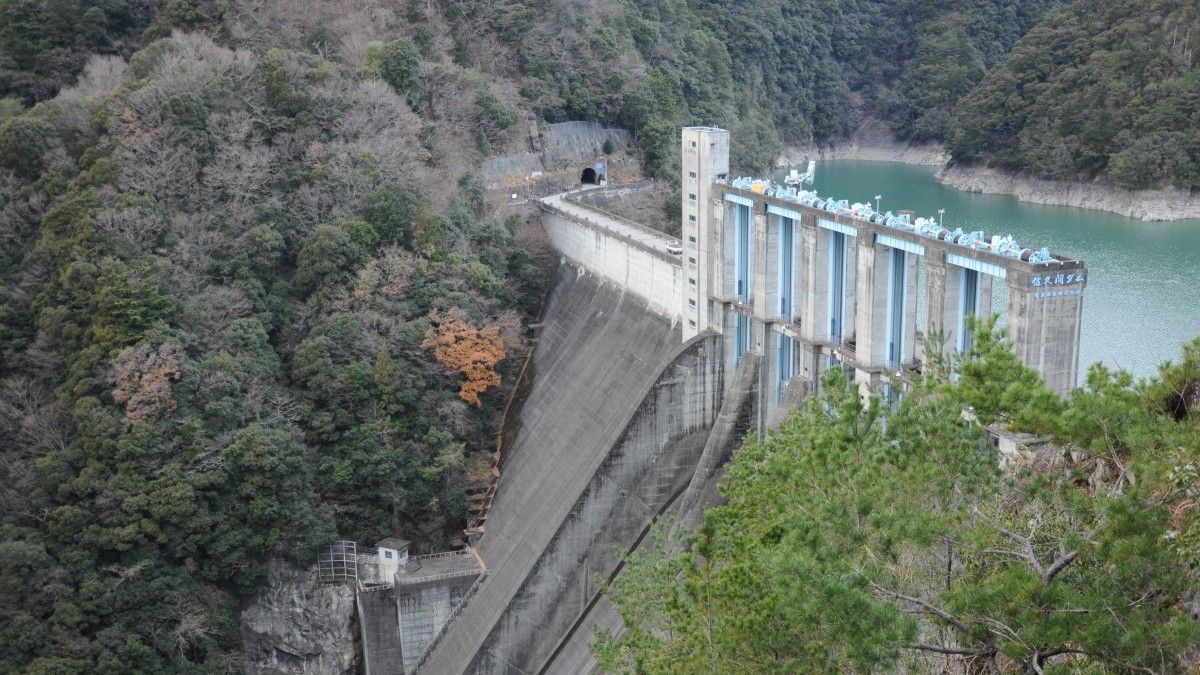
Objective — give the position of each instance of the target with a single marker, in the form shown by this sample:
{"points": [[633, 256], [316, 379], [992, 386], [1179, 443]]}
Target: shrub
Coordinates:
{"points": [[399, 66], [23, 144]]}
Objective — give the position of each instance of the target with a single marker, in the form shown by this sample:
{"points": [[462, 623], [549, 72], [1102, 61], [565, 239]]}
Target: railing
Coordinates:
{"points": [[743, 304], [673, 258], [792, 322], [574, 199], [338, 563], [404, 581], [847, 345], [443, 554], [453, 613]]}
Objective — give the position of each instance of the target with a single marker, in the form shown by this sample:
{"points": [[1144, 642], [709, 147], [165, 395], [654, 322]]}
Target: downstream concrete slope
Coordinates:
{"points": [[614, 421], [731, 425], [649, 464], [573, 655]]}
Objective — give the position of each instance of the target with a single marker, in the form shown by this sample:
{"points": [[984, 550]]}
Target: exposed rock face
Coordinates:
{"points": [[868, 149], [874, 142], [1141, 204], [297, 625]]}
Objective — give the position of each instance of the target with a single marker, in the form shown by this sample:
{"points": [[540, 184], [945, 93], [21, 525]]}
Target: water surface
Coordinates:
{"points": [[1143, 296]]}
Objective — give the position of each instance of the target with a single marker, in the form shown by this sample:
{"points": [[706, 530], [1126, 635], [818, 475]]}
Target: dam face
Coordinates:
{"points": [[616, 416]]}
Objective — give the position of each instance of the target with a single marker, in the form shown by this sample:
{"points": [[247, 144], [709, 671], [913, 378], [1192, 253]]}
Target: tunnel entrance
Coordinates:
{"points": [[588, 177]]}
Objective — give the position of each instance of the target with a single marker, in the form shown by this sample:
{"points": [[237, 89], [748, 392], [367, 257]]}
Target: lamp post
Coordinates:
{"points": [[941, 213], [877, 198]]}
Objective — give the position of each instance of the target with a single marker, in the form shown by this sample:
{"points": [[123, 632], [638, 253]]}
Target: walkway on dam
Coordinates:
{"points": [[640, 234]]}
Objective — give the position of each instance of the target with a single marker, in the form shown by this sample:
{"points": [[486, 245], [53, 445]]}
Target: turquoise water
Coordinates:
{"points": [[1143, 294]]}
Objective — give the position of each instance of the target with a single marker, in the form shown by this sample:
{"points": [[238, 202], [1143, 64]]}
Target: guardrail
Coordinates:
{"points": [[453, 613], [574, 199], [443, 554], [405, 581], [591, 222]]}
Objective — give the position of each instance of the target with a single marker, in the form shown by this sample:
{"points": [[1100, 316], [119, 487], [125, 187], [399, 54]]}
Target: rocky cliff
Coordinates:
{"points": [[298, 626]]}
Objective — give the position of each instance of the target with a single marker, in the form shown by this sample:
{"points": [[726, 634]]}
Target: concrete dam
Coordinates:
{"points": [[650, 366]]}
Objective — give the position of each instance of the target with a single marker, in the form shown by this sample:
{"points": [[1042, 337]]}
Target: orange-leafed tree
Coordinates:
{"points": [[142, 377], [473, 351]]}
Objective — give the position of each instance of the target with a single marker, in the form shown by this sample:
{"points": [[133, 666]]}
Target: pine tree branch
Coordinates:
{"points": [[1058, 566], [960, 651], [932, 609]]}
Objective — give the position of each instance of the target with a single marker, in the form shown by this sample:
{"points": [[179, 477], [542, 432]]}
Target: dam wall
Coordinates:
{"points": [[379, 627], [620, 253], [616, 415], [735, 419], [654, 459]]}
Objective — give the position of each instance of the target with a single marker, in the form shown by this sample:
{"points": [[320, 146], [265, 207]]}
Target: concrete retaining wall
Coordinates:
{"points": [[424, 608], [523, 164], [379, 624], [653, 276], [570, 143], [615, 194]]}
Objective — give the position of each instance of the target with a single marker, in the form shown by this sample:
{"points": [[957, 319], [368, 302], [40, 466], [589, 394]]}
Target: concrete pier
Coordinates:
{"points": [[827, 285]]}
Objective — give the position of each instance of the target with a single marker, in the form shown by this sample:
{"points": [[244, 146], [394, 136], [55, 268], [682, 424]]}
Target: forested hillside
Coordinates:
{"points": [[860, 539], [252, 295], [1106, 88], [244, 307], [1101, 88], [771, 70]]}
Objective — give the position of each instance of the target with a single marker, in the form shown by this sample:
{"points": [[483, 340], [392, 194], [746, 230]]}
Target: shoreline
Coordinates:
{"points": [[1147, 205], [872, 150]]}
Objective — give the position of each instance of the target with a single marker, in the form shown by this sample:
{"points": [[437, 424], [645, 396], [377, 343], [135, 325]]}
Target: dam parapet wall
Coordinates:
{"points": [[633, 257]]}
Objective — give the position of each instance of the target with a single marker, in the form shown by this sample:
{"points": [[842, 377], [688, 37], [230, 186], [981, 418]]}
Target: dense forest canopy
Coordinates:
{"points": [[858, 537], [1101, 88], [244, 308], [252, 296], [773, 70]]}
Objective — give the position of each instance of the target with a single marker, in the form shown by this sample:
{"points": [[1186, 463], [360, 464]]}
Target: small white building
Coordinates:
{"points": [[393, 554], [377, 566]]}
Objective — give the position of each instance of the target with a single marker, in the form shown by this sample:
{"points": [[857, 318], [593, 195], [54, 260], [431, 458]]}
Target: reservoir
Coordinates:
{"points": [[1143, 295]]}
